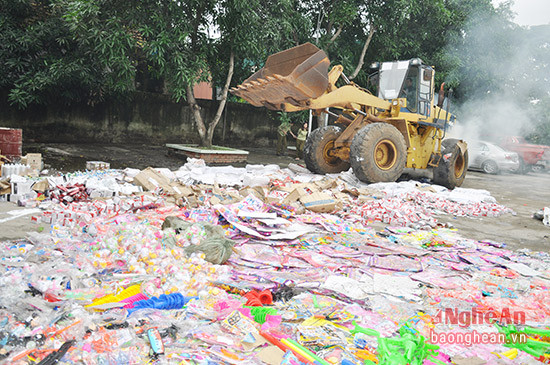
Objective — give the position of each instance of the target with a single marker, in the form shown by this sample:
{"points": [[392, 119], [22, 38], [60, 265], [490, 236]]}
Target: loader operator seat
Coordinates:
{"points": [[410, 93]]}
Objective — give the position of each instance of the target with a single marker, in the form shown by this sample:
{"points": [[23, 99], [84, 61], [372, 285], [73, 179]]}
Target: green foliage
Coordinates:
{"points": [[479, 53], [90, 50], [162, 37], [284, 117], [540, 115], [254, 30], [41, 62], [75, 50]]}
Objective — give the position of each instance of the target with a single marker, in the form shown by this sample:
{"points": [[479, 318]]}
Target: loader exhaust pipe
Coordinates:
{"points": [[441, 97]]}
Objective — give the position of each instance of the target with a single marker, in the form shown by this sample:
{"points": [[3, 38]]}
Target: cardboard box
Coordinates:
{"points": [[5, 187], [318, 202], [34, 160], [97, 165], [215, 200], [325, 184], [149, 179], [362, 199], [41, 186], [192, 201], [297, 207], [181, 190], [271, 200], [257, 191], [295, 195]]}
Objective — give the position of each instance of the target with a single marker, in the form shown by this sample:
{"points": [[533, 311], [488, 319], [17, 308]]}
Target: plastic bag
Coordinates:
{"points": [[216, 247]]}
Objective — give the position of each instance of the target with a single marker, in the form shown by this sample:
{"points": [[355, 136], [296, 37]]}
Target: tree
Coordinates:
{"points": [[338, 22], [93, 50], [38, 55], [358, 32], [248, 31], [171, 39], [482, 49]]}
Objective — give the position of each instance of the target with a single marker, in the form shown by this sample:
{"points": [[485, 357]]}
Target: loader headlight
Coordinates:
{"points": [[374, 66], [416, 62]]}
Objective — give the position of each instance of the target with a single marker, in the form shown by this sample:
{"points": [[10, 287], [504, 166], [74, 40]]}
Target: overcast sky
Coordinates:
{"points": [[530, 12]]}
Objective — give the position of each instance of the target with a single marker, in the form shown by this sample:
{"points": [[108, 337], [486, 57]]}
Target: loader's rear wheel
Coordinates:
{"points": [[318, 151], [452, 167], [378, 153]]}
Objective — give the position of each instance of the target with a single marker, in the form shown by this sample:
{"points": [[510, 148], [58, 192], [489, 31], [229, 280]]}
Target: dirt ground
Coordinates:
{"points": [[525, 194]]}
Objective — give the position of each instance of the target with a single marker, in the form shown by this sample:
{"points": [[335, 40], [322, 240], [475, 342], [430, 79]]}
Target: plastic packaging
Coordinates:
{"points": [[202, 237], [170, 301]]}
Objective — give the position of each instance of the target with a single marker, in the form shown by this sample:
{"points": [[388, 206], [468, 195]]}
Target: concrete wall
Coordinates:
{"points": [[143, 118]]}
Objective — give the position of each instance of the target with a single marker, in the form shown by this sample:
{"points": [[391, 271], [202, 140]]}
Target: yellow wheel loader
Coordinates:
{"points": [[377, 135]]}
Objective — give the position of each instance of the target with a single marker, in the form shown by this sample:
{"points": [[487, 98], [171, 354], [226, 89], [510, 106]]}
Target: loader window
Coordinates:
{"points": [[391, 76], [425, 91], [409, 90]]}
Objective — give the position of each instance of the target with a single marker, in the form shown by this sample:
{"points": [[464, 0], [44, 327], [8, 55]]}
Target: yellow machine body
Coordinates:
{"points": [[298, 79]]}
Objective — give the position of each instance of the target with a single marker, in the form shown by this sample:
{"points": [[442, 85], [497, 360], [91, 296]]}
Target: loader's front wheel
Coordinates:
{"points": [[378, 153], [452, 167], [318, 150]]}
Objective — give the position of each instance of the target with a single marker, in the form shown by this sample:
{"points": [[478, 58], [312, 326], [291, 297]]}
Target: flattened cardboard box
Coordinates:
{"points": [[318, 202], [150, 179], [5, 187], [325, 184], [295, 195], [181, 190], [257, 191]]}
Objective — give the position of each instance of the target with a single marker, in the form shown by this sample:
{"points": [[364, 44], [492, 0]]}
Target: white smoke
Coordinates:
{"points": [[490, 116], [506, 68]]}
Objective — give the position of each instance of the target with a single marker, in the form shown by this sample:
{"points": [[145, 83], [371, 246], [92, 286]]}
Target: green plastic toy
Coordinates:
{"points": [[532, 347], [260, 313], [408, 348]]}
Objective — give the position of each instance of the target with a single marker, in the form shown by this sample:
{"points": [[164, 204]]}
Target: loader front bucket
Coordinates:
{"points": [[292, 76]]}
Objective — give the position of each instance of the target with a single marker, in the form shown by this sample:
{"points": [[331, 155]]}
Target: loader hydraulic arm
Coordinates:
{"points": [[298, 79], [377, 136], [345, 97]]}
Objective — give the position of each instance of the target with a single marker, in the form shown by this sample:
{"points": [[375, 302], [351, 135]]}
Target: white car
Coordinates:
{"points": [[490, 158]]}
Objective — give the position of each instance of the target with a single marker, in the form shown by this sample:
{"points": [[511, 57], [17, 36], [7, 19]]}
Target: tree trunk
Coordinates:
{"points": [[196, 110], [338, 31], [318, 27], [221, 106], [363, 52]]}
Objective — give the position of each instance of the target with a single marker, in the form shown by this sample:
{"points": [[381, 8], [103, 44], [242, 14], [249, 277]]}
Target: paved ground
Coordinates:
{"points": [[525, 194]]}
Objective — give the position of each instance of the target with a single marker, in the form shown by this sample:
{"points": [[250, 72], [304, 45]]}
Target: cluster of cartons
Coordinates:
{"points": [[321, 196], [15, 190]]}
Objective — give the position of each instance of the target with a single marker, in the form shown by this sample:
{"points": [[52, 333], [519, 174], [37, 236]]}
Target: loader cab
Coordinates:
{"points": [[411, 80]]}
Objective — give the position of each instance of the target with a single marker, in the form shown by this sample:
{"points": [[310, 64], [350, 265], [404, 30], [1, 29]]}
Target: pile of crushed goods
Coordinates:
{"points": [[262, 265]]}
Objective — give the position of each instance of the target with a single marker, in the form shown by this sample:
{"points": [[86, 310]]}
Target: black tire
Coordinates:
{"points": [[317, 151], [453, 165], [490, 167], [378, 153]]}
